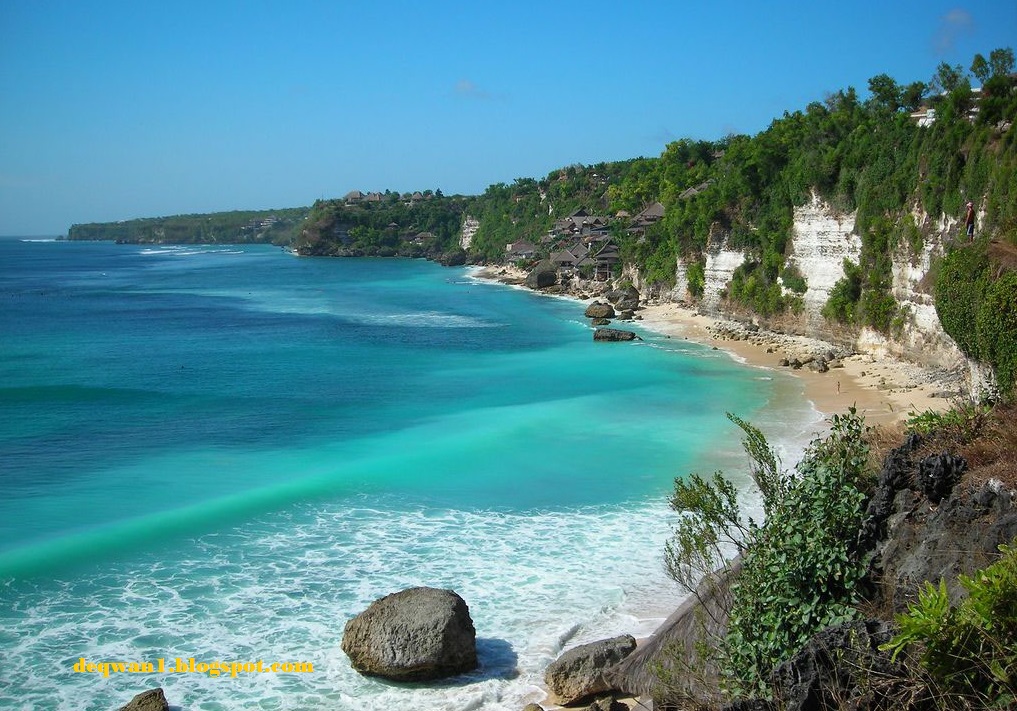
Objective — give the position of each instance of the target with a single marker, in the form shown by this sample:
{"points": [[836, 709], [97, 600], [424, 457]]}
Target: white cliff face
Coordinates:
{"points": [[922, 338], [821, 240], [470, 227], [720, 266]]}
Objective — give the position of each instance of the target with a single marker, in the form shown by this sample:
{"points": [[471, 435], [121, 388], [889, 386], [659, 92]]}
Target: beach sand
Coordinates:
{"points": [[884, 390]]}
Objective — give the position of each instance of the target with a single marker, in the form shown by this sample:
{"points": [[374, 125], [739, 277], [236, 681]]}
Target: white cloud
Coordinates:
{"points": [[466, 88], [953, 25]]}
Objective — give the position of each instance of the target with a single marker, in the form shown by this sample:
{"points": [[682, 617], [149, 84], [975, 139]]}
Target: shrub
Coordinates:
{"points": [[970, 649], [799, 572], [971, 292]]}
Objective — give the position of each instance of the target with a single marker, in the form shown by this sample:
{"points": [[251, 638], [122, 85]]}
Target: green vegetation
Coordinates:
{"points": [[899, 176], [799, 570], [970, 650], [267, 226], [391, 226], [976, 299]]}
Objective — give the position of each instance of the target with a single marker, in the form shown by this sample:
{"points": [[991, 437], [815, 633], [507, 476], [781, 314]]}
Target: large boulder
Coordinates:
{"points": [[613, 334], [599, 309], [624, 299], [418, 634], [579, 672], [151, 700], [543, 275]]}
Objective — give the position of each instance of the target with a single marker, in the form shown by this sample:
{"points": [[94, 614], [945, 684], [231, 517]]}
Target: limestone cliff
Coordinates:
{"points": [[821, 240]]}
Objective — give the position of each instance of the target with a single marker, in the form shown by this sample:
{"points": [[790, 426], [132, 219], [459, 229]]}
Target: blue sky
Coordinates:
{"points": [[115, 110]]}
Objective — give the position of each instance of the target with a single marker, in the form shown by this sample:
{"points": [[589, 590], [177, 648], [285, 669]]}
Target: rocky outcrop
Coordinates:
{"points": [[614, 334], [624, 299], [670, 664], [579, 673], [151, 700], [418, 634], [599, 310], [920, 525], [841, 667], [543, 275], [926, 542]]}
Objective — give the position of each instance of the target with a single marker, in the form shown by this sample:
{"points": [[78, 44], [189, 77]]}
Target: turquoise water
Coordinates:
{"points": [[225, 452]]}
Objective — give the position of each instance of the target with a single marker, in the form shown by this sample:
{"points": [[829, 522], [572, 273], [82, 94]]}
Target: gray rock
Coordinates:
{"points": [[607, 703], [938, 474], [542, 276], [613, 334], [418, 634], [627, 298], [533, 707], [151, 700], [599, 310], [579, 672], [600, 321], [840, 667]]}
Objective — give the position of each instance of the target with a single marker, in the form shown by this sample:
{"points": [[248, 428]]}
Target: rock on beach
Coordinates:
{"points": [[419, 634]]}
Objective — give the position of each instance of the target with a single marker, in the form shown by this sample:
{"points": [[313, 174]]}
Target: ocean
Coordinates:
{"points": [[225, 452]]}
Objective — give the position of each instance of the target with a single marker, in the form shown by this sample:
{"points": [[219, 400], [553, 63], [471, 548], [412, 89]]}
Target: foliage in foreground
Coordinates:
{"points": [[799, 572], [971, 649]]}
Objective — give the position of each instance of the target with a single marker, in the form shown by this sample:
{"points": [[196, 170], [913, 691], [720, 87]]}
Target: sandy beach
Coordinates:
{"points": [[884, 390]]}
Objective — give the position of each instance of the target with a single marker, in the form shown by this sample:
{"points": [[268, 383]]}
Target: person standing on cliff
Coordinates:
{"points": [[969, 221]]}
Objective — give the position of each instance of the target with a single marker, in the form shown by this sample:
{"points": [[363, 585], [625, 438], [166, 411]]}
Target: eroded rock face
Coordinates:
{"points": [[837, 668], [579, 672], [542, 276], [420, 634]]}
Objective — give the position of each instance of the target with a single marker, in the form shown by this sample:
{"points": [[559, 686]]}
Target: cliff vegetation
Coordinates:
{"points": [[237, 227]]}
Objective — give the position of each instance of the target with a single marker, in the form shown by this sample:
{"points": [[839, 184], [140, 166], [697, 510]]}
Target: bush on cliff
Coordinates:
{"points": [[976, 299], [970, 650], [800, 572]]}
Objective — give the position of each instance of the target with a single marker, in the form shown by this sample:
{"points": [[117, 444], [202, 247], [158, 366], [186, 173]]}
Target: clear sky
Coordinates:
{"points": [[115, 110]]}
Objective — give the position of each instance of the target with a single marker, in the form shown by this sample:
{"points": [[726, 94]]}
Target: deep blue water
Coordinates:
{"points": [[225, 452]]}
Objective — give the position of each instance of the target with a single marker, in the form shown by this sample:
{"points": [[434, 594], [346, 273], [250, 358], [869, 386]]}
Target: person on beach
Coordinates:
{"points": [[969, 221]]}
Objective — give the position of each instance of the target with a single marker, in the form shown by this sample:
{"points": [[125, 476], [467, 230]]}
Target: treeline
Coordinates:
{"points": [[868, 156], [391, 226], [242, 226]]}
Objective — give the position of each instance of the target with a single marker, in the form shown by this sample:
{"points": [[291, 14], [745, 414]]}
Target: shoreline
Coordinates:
{"points": [[884, 390]]}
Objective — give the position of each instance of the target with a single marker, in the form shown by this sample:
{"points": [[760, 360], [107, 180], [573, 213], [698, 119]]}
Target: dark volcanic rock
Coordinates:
{"points": [[838, 668], [938, 474], [613, 334], [960, 536], [599, 310], [896, 475], [542, 276], [151, 700], [418, 634], [579, 672], [454, 258]]}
